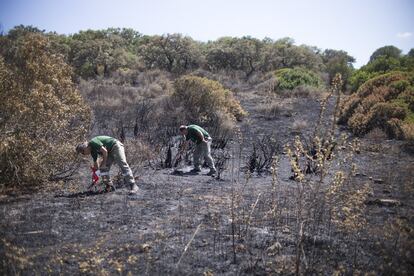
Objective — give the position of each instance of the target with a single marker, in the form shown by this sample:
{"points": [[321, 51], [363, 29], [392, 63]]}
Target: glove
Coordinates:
{"points": [[95, 175]]}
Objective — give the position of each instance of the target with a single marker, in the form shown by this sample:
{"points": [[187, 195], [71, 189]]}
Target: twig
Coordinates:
{"points": [[188, 244], [251, 212]]}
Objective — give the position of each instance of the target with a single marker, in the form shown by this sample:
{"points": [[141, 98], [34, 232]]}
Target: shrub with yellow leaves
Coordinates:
{"points": [[202, 97], [42, 113], [198, 100]]}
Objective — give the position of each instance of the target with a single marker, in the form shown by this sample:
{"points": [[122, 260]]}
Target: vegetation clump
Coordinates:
{"points": [[384, 102], [42, 113], [386, 59], [291, 78], [206, 100]]}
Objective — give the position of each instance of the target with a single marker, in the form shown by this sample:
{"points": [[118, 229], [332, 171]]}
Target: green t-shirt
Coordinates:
{"points": [[100, 141], [193, 133]]}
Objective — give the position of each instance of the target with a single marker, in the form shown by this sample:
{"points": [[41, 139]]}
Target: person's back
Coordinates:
{"points": [[193, 135], [101, 141]]}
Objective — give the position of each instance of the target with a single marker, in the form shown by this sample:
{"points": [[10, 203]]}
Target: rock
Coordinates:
{"points": [[378, 181]]}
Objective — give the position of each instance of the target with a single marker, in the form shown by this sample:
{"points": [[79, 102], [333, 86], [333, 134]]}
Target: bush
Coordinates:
{"points": [[288, 79], [385, 102], [203, 99], [42, 114], [302, 91], [359, 77]]}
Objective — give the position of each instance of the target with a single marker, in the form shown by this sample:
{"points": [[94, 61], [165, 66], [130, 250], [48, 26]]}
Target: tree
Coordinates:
{"points": [[22, 30], [99, 53], [283, 53], [338, 62], [171, 52], [248, 52], [383, 64], [220, 55], [386, 51], [384, 60]]}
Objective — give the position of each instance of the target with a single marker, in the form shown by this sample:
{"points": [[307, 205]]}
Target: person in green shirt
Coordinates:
{"points": [[111, 151], [202, 140]]}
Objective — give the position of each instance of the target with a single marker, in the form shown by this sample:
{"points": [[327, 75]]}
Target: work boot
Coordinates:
{"points": [[212, 172], [134, 189]]}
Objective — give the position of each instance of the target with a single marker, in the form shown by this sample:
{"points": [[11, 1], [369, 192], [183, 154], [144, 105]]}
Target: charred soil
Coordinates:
{"points": [[244, 223]]}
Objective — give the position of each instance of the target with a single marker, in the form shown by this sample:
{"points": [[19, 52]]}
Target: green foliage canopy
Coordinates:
{"points": [[288, 79]]}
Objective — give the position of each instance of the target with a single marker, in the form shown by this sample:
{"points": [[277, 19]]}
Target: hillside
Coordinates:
{"points": [[314, 157], [182, 224]]}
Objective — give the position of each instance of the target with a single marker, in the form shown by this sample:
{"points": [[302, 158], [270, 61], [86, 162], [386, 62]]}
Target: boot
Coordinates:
{"points": [[134, 189], [212, 172], [195, 170]]}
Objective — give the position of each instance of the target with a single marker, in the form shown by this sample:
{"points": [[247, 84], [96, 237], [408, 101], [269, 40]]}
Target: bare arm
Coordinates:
{"points": [[201, 137], [95, 165]]}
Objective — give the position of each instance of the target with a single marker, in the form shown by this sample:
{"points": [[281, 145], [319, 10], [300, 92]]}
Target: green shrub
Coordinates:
{"points": [[359, 77], [42, 114], [384, 102], [288, 79], [382, 65]]}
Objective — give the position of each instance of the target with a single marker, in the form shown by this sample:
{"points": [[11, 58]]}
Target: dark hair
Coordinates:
{"points": [[81, 147]]}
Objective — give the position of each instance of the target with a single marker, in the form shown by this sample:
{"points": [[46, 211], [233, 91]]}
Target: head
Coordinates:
{"points": [[183, 130], [83, 148]]}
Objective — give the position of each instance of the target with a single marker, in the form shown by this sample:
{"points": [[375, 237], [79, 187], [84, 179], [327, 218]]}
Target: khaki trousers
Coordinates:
{"points": [[117, 155], [203, 152]]}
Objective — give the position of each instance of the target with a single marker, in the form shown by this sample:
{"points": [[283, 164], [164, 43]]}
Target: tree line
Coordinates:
{"points": [[99, 53]]}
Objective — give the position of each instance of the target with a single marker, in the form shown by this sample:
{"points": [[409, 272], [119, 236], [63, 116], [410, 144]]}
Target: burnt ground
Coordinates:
{"points": [[184, 224]]}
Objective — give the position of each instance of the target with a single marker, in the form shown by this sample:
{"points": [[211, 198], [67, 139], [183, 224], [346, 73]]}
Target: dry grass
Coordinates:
{"points": [[298, 126], [274, 109]]}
